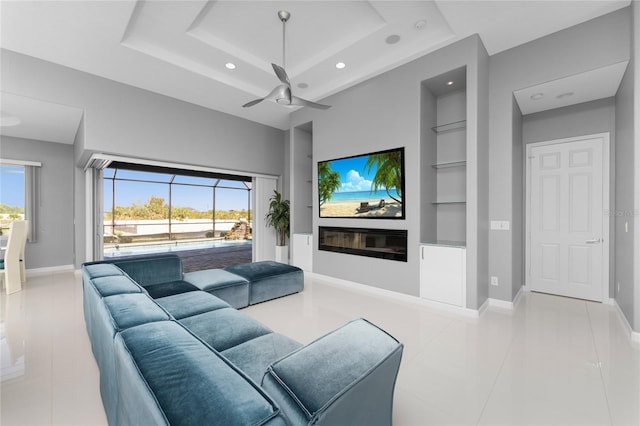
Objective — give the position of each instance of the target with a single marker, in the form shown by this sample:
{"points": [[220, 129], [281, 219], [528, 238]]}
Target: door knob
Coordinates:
{"points": [[594, 241]]}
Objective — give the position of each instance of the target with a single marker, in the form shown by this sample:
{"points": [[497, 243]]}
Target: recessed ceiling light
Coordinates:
{"points": [[420, 24], [564, 95], [340, 65], [537, 96], [303, 85], [230, 65], [449, 83], [392, 39]]}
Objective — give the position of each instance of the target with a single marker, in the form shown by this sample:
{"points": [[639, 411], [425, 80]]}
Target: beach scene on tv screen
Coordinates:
{"points": [[366, 186]]}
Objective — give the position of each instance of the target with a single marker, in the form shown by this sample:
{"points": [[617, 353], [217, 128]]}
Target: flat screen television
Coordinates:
{"points": [[367, 186]]}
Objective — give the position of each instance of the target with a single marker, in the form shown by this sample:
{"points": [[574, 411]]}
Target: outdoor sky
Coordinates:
{"points": [[12, 186], [197, 197]]}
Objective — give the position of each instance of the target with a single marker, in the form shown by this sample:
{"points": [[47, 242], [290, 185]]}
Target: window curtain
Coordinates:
{"points": [[32, 202]]}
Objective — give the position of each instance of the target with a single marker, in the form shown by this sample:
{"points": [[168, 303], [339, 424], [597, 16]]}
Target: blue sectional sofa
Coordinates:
{"points": [[172, 353]]}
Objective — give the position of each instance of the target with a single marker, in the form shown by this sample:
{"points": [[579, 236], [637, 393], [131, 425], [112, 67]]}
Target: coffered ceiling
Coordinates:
{"points": [[180, 48]]}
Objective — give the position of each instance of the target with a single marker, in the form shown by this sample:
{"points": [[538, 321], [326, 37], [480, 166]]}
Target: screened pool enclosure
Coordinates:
{"points": [[160, 207]]}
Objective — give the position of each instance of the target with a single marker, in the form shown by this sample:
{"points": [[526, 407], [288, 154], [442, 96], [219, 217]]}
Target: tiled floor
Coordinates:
{"points": [[550, 361]]}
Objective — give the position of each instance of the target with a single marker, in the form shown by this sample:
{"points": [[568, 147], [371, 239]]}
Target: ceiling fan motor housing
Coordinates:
{"points": [[284, 15]]}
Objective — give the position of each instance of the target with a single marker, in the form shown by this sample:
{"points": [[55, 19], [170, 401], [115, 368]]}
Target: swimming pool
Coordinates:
{"points": [[166, 247]]}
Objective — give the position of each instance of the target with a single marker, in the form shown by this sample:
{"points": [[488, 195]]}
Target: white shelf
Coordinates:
{"points": [[450, 126], [449, 164], [450, 202]]}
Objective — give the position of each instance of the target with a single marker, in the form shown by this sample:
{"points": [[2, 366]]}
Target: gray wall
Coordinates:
{"points": [[636, 120], [481, 177], [55, 231], [623, 212], [593, 44], [383, 113], [517, 224], [123, 120], [576, 120]]}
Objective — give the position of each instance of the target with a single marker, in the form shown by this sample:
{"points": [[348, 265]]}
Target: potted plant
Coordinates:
{"points": [[278, 217]]}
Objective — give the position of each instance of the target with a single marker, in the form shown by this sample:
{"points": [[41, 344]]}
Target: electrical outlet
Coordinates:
{"points": [[499, 225], [626, 227], [494, 281], [618, 290]]}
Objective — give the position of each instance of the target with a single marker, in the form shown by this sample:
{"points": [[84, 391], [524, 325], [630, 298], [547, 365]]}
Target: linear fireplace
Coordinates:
{"points": [[371, 242]]}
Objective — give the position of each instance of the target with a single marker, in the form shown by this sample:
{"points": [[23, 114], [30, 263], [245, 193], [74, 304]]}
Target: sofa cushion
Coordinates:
{"points": [[306, 373], [116, 284], [129, 310], [254, 356], [101, 270], [153, 269], [169, 288], [224, 328], [228, 286], [268, 280], [187, 381], [191, 303]]}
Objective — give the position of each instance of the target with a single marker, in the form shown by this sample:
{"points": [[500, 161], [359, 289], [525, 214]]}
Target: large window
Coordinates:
{"points": [[153, 206], [18, 194], [12, 195]]}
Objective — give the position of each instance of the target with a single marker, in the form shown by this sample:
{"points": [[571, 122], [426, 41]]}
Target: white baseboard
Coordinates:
{"points": [[470, 313], [633, 335], [503, 304], [34, 272]]}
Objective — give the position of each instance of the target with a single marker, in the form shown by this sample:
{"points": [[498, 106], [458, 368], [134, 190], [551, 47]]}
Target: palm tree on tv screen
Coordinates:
{"points": [[329, 181], [388, 166]]}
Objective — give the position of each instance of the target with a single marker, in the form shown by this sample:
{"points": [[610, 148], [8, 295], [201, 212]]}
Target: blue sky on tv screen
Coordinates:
{"points": [[353, 174]]}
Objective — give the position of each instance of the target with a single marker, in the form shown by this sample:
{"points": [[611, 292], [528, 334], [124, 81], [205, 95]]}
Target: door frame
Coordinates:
{"points": [[606, 204]]}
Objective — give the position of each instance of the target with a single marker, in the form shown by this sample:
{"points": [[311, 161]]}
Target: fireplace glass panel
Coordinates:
{"points": [[381, 243]]}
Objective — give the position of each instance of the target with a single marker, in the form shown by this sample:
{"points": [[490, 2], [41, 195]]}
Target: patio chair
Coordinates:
{"points": [[12, 265]]}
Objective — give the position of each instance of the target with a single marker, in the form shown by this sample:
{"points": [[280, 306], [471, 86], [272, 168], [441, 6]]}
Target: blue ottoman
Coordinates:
{"points": [[231, 288], [268, 280]]}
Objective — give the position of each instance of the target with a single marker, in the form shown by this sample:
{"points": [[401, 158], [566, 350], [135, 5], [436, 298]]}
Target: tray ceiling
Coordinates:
{"points": [[180, 48]]}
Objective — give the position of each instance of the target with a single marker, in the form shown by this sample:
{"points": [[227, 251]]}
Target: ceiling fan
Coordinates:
{"points": [[281, 94]]}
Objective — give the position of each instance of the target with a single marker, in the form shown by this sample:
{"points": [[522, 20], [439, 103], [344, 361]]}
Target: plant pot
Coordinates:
{"points": [[282, 254]]}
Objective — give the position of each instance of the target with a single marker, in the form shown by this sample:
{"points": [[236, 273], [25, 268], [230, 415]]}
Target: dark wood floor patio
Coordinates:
{"points": [[196, 260]]}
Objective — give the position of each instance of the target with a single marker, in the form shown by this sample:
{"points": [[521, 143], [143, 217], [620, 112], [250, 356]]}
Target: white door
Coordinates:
{"points": [[566, 218]]}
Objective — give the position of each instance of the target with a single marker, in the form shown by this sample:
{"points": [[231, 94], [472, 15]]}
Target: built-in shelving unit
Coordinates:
{"points": [[443, 229], [445, 153], [302, 167]]}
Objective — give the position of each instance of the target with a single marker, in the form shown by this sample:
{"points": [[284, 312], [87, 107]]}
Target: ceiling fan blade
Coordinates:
{"points": [[252, 103], [303, 102], [281, 74]]}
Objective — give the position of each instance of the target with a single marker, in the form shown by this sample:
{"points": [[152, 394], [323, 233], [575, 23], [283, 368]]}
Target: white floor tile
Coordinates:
{"points": [[551, 360]]}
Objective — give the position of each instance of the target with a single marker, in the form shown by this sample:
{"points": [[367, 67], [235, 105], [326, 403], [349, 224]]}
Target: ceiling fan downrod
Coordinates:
{"points": [[284, 17], [281, 94]]}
